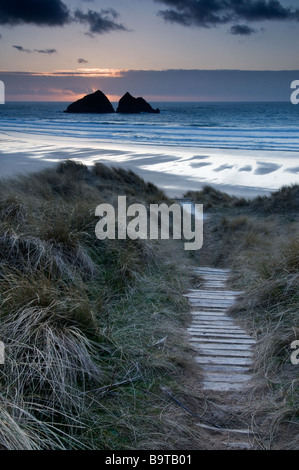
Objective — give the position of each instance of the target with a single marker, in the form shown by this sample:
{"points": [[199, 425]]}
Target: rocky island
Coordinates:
{"points": [[93, 103], [98, 103], [130, 105]]}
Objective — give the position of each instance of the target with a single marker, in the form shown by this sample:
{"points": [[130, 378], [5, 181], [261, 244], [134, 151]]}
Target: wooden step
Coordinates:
{"points": [[211, 270], [223, 349], [216, 329], [215, 323], [223, 346], [214, 292], [233, 377], [229, 368], [231, 341], [222, 386], [212, 318], [236, 361], [222, 352], [209, 312], [236, 336]]}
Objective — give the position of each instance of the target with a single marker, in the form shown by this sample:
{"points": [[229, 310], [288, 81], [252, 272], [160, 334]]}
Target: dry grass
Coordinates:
{"points": [[283, 201], [259, 240], [92, 329]]}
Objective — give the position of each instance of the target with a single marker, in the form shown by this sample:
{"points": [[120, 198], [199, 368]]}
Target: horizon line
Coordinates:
{"points": [[102, 71], [159, 101]]}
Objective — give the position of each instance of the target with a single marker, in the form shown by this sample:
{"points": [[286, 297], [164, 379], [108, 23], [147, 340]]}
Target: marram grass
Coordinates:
{"points": [[259, 240], [82, 319]]}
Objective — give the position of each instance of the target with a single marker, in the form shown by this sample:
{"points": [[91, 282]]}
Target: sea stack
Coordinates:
{"points": [[130, 105], [94, 103]]}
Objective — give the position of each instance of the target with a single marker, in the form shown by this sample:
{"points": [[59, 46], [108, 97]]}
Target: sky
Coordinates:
{"points": [[60, 50]]}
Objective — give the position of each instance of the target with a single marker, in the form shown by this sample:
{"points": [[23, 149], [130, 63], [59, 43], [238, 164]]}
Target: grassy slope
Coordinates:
{"points": [[92, 329], [259, 240]]}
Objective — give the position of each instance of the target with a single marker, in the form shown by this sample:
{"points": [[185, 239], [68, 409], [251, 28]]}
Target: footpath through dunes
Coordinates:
{"points": [[224, 352]]}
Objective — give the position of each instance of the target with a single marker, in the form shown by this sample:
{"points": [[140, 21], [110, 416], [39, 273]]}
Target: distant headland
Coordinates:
{"points": [[98, 103]]}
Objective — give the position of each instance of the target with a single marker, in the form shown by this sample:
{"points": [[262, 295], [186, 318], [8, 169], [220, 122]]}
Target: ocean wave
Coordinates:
{"points": [[232, 126]]}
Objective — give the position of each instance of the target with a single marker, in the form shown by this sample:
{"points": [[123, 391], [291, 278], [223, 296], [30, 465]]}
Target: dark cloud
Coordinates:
{"points": [[82, 61], [42, 13], [39, 51], [22, 49], [56, 13], [100, 22], [46, 51], [208, 13], [242, 30], [260, 10]]}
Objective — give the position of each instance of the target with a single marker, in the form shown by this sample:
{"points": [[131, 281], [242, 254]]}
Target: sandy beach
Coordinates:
{"points": [[173, 169]]}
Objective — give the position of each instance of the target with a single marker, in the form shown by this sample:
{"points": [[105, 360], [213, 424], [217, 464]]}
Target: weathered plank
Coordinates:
{"points": [[232, 377], [233, 341], [215, 291], [230, 368], [223, 346], [217, 316], [209, 269], [214, 273], [222, 352], [216, 324], [212, 300], [222, 386], [211, 318], [211, 304], [224, 349], [209, 312], [236, 361], [213, 276], [205, 335], [216, 329]]}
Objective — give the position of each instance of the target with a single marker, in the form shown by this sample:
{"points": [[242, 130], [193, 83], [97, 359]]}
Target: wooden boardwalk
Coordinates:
{"points": [[224, 349]]}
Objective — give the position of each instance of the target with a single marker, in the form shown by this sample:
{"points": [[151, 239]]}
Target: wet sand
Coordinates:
{"points": [[175, 170]]}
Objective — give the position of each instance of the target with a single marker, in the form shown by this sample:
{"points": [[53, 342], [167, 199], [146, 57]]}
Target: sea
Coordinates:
{"points": [[234, 145]]}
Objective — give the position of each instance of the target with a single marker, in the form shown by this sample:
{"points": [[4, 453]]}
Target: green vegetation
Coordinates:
{"points": [[284, 201], [259, 240], [92, 329]]}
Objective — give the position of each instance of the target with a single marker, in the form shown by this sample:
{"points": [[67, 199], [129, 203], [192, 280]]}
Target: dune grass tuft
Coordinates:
{"points": [[258, 239], [91, 328]]}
